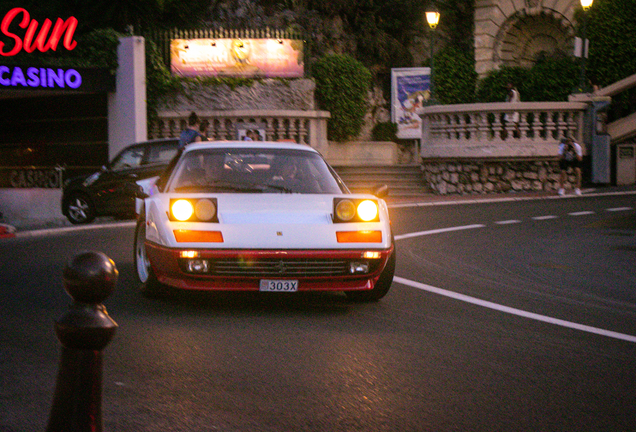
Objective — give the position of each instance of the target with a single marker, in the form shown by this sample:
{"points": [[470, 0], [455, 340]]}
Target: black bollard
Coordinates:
{"points": [[84, 331]]}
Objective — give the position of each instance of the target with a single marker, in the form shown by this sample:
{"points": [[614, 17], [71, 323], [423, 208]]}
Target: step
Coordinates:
{"points": [[402, 180]]}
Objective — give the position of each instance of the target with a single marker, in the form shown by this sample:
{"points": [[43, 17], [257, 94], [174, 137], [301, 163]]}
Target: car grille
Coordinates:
{"points": [[279, 267]]}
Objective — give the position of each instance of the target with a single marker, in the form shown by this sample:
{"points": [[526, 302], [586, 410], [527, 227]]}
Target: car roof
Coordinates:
{"points": [[249, 144]]}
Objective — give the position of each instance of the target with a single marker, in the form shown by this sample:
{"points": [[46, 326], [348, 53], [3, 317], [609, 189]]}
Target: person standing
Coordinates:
{"points": [[513, 96], [191, 133], [570, 156]]}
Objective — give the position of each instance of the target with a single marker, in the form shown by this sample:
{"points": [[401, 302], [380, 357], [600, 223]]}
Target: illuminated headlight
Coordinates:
{"points": [[355, 210], [194, 210], [182, 210], [197, 266], [367, 210], [356, 267]]}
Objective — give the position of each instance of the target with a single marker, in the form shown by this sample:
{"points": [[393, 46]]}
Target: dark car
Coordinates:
{"points": [[112, 190]]}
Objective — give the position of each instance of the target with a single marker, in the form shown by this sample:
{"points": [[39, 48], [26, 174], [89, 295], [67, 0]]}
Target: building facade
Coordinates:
{"points": [[514, 32]]}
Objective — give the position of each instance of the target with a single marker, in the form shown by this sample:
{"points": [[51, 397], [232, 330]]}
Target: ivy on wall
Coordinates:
{"points": [[342, 84]]}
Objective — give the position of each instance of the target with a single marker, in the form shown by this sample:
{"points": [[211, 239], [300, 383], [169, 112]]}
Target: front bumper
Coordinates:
{"points": [[242, 270]]}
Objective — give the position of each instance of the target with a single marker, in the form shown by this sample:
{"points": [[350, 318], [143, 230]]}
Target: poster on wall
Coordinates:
{"points": [[410, 90], [267, 58]]}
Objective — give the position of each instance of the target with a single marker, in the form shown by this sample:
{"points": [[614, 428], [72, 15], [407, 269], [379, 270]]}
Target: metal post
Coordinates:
{"points": [[84, 331], [433, 101], [582, 83]]}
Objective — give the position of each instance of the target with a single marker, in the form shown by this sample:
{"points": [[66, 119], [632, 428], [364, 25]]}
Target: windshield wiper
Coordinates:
{"points": [[283, 189]]}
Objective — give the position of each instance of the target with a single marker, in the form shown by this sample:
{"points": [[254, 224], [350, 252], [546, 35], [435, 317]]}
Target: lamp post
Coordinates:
{"points": [[586, 4], [432, 17]]}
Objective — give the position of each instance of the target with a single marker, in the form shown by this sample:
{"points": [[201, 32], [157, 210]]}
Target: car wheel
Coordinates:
{"points": [[150, 286], [381, 287], [79, 209]]}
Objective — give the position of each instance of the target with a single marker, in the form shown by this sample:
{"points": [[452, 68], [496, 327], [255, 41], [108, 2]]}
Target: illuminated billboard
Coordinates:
{"points": [[237, 57]]}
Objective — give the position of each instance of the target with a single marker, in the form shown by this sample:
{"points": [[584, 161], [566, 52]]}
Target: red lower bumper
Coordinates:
{"points": [[169, 269]]}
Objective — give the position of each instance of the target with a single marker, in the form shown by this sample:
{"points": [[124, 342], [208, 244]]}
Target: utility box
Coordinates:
{"points": [[626, 164]]}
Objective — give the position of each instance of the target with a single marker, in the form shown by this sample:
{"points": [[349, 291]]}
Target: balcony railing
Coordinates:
{"points": [[488, 130]]}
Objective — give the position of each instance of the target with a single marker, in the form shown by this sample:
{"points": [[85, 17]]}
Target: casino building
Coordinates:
{"points": [[58, 122]]}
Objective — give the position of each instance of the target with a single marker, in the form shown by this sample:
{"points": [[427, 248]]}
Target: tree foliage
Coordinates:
{"points": [[455, 77], [342, 83]]}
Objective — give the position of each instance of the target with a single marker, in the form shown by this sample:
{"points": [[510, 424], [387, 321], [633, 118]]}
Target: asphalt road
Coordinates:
{"points": [[504, 316]]}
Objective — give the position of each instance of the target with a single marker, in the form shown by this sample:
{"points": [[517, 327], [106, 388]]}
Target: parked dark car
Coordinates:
{"points": [[112, 190]]}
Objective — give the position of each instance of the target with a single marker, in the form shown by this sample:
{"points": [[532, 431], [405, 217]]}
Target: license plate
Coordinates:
{"points": [[278, 285]]}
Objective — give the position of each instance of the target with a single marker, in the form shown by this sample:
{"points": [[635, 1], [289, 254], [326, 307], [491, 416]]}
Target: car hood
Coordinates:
{"points": [[253, 221], [275, 209]]}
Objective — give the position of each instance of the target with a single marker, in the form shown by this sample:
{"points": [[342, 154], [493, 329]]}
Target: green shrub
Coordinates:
{"points": [[342, 84], [454, 76], [385, 131], [492, 88]]}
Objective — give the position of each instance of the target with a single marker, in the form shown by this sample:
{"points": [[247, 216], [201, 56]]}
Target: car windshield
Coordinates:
{"points": [[129, 158], [243, 170]]}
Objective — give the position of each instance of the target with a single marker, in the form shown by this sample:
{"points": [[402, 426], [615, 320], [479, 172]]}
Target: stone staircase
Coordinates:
{"points": [[402, 180]]}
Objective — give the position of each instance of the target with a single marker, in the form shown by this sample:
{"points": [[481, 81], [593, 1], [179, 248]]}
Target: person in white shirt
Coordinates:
{"points": [[570, 156]]}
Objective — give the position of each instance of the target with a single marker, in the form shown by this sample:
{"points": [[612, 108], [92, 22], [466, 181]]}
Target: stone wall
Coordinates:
{"points": [[458, 177], [265, 94]]}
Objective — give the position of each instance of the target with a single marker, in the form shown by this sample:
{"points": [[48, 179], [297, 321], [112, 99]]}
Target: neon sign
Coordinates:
{"points": [[14, 76], [32, 42]]}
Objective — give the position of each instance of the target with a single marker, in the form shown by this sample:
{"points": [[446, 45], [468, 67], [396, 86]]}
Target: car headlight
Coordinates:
{"points": [[205, 210], [355, 210], [194, 210], [367, 210], [345, 210], [182, 210]]}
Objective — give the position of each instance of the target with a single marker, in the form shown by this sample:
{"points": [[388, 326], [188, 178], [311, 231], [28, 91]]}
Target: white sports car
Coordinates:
{"points": [[261, 216]]}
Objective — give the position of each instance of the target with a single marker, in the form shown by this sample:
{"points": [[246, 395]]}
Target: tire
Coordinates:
{"points": [[79, 209], [149, 285], [381, 287]]}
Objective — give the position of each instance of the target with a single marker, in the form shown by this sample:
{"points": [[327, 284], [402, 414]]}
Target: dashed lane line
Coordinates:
{"points": [[507, 222], [546, 217]]}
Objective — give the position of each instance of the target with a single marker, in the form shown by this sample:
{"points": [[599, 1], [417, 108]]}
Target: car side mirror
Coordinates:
{"points": [[380, 191]]}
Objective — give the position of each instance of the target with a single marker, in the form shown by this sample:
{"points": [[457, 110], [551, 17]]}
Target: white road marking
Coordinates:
{"points": [[546, 217], [508, 222], [581, 213], [502, 308], [514, 311], [438, 231]]}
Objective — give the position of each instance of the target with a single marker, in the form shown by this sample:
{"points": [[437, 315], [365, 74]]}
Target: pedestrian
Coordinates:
{"points": [[203, 129], [570, 156], [512, 96], [191, 133]]}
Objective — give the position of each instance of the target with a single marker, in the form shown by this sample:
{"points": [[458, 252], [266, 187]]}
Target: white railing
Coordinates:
{"points": [[306, 127], [481, 130]]}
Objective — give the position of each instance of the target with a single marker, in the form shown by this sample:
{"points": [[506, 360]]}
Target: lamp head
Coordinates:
{"points": [[586, 4], [432, 17]]}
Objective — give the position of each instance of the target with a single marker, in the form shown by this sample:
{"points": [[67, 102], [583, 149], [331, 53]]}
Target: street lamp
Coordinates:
{"points": [[586, 4], [432, 17]]}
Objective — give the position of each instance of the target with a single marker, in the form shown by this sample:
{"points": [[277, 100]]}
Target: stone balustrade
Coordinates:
{"points": [[471, 148], [305, 127], [481, 130]]}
